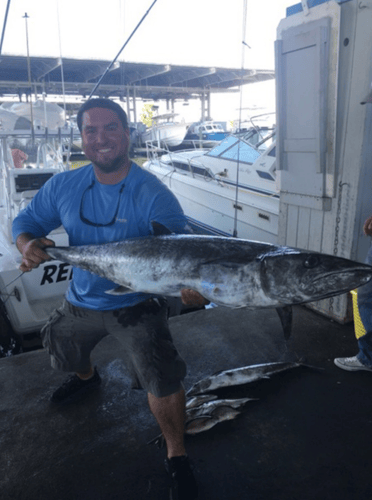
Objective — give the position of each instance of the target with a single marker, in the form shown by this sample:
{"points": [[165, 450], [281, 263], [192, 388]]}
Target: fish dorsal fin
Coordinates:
{"points": [[218, 372], [159, 230]]}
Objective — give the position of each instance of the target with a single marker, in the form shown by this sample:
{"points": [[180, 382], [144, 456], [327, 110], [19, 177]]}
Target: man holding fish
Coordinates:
{"points": [[110, 200]]}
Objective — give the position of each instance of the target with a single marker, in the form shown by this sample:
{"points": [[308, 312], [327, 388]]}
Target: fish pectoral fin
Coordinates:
{"points": [[120, 290], [285, 314]]}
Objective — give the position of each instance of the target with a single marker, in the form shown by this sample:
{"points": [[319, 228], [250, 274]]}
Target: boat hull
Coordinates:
{"points": [[170, 136], [211, 206]]}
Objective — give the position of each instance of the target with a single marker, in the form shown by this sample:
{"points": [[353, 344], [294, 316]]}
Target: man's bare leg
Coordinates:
{"points": [[169, 412]]}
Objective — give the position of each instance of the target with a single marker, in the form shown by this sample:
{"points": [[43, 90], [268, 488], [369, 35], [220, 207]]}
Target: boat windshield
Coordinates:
{"points": [[232, 148], [21, 153]]}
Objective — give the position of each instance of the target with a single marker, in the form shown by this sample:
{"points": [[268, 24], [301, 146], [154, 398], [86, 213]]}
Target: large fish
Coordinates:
{"points": [[227, 271], [240, 376]]}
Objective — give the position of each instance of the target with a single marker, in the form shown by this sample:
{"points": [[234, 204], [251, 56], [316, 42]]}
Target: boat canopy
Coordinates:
{"points": [[233, 148]]}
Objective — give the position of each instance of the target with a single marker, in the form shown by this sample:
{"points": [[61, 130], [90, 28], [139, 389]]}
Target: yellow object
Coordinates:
{"points": [[78, 164], [358, 325]]}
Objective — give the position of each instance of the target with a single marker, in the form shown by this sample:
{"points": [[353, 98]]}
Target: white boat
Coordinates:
{"points": [[11, 121], [44, 114], [229, 190], [25, 165], [208, 132], [164, 132]]}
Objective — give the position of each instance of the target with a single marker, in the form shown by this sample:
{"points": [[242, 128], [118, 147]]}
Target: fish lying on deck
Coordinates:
{"points": [[204, 423], [204, 411], [239, 376], [198, 400], [202, 414], [210, 407], [227, 271]]}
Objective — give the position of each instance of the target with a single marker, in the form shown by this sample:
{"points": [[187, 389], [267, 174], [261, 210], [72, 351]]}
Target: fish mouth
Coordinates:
{"points": [[347, 274], [343, 281]]}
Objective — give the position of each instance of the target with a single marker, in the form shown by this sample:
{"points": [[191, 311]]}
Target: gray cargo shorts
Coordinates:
{"points": [[71, 334]]}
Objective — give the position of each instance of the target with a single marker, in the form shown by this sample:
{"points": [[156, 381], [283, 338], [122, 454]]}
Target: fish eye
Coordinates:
{"points": [[311, 261]]}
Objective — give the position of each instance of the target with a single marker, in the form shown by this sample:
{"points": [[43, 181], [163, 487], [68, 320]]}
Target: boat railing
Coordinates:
{"points": [[154, 151], [52, 146], [192, 165]]}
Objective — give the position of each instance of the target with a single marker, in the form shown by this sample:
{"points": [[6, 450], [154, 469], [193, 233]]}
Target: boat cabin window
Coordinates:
{"points": [[265, 175], [180, 165], [195, 169], [201, 171]]}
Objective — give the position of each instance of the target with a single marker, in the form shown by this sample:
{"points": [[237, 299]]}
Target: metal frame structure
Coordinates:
{"points": [[125, 80]]}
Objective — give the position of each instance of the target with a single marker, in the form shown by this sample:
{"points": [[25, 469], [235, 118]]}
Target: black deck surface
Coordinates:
{"points": [[307, 437]]}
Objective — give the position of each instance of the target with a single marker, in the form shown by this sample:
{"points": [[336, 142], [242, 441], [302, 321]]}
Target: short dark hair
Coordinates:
{"points": [[101, 103]]}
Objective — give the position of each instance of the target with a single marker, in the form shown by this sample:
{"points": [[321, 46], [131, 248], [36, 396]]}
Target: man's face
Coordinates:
{"points": [[105, 141]]}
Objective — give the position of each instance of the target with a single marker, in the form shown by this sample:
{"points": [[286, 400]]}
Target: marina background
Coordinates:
{"points": [[199, 33]]}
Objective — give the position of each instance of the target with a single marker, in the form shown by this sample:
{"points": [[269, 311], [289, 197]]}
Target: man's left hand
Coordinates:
{"points": [[192, 298]]}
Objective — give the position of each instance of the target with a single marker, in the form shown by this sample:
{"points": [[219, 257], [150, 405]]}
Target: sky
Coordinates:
{"points": [[189, 32]]}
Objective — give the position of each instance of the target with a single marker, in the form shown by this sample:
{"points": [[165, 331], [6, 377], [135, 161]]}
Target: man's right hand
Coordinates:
{"points": [[32, 251], [367, 228]]}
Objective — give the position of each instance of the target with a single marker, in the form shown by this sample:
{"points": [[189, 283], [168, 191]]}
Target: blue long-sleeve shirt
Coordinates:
{"points": [[69, 197]]}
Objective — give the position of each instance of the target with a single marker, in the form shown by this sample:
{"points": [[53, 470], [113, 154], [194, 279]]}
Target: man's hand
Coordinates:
{"points": [[192, 298], [32, 251], [367, 228]]}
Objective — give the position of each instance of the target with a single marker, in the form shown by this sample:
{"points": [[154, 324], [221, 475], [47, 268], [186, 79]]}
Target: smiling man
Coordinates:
{"points": [[105, 142], [109, 200]]}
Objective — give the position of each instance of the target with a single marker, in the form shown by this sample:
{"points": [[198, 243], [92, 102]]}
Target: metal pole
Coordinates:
{"points": [[29, 79], [60, 55], [235, 231]]}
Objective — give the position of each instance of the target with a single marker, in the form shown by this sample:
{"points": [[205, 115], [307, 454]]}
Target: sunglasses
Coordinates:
{"points": [[85, 220]]}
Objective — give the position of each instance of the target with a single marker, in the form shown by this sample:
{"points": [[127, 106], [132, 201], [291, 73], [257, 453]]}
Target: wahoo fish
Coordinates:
{"points": [[206, 422], [229, 272], [207, 415], [240, 376], [210, 407], [199, 400]]}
